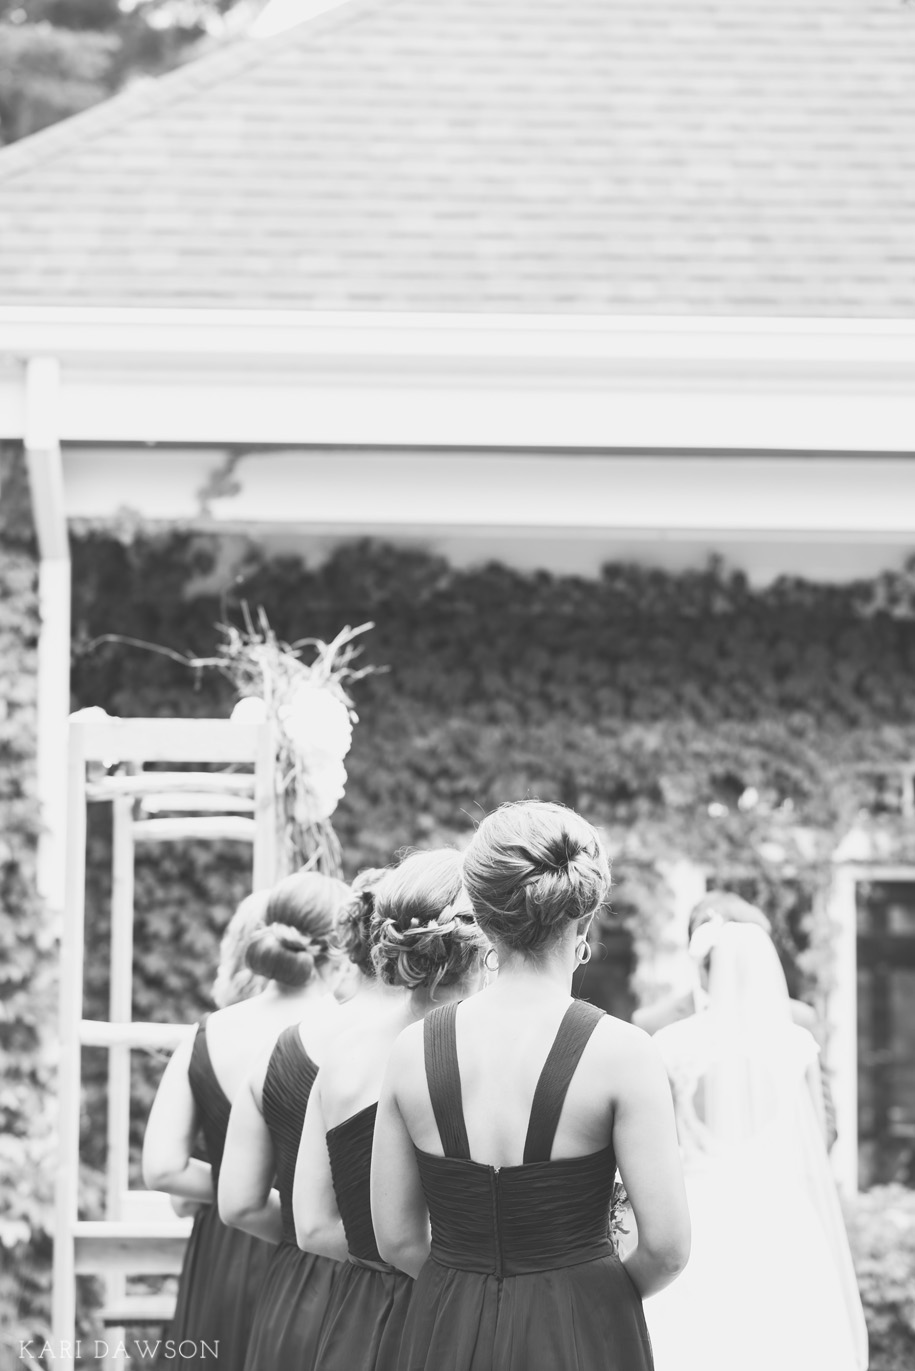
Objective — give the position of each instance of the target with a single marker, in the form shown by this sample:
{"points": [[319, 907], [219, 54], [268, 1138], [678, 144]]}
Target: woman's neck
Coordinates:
{"points": [[520, 977], [372, 992], [289, 996], [423, 1000]]}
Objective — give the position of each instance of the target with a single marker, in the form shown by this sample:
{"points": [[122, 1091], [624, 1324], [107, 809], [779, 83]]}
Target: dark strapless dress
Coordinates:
{"points": [[298, 1285], [366, 1314], [223, 1268], [522, 1274]]}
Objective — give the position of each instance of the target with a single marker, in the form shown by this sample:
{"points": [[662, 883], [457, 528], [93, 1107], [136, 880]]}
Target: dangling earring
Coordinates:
{"points": [[491, 966], [583, 952]]}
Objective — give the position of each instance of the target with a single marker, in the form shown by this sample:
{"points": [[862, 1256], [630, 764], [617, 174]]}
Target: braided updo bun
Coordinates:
{"points": [[298, 928], [423, 931], [531, 870], [354, 922]]}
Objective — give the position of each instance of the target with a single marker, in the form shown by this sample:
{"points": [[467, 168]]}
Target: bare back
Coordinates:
{"points": [[243, 1034], [354, 1069], [501, 1050]]}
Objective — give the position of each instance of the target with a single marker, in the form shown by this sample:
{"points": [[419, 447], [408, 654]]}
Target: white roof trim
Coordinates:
{"points": [[26, 330]]}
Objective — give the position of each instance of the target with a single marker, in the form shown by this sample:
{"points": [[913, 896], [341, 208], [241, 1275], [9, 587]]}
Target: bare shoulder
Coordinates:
{"points": [[405, 1066], [625, 1051], [619, 1036]]}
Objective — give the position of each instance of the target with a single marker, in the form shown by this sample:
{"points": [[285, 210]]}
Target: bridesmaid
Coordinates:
{"points": [[266, 1124], [223, 1269], [357, 985], [501, 1124], [427, 951]]}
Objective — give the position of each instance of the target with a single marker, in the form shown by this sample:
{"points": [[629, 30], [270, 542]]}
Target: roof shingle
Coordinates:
{"points": [[574, 156]]}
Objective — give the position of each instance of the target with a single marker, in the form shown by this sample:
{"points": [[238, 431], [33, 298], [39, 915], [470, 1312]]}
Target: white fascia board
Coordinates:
{"points": [[275, 377], [296, 333]]}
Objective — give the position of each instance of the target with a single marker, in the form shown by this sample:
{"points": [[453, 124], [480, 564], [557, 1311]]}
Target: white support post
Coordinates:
{"points": [[120, 1009], [842, 1021], [43, 458], [266, 856], [63, 1306]]}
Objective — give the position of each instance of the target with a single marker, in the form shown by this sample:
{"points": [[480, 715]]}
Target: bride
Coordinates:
{"points": [[770, 1281]]}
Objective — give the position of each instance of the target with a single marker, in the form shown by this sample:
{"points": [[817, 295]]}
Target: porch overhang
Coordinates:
{"points": [[468, 381]]}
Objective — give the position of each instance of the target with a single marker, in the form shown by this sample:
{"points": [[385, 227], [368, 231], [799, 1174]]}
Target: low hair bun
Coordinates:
{"points": [[531, 869], [299, 924], [281, 954]]}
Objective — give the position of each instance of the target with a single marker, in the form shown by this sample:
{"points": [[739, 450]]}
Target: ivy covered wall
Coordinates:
{"points": [[689, 714], [27, 941]]}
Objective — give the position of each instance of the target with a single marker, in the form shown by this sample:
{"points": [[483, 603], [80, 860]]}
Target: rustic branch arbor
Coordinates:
{"points": [[139, 1234]]}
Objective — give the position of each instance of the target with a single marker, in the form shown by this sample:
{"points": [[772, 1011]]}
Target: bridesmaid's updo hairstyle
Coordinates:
{"points": [[354, 922], [297, 937], [424, 931], [531, 870]]}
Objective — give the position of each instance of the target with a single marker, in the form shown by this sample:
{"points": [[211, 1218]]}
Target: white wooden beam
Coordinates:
{"points": [[42, 448], [842, 1025], [63, 1302]]}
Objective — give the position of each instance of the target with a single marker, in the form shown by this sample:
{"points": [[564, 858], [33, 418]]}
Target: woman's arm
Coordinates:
{"points": [[645, 1143], [185, 1209], [399, 1211], [247, 1199], [318, 1226], [170, 1134]]}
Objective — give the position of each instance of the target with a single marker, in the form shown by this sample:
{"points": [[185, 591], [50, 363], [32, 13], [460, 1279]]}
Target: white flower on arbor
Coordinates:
{"points": [[318, 725], [251, 709]]}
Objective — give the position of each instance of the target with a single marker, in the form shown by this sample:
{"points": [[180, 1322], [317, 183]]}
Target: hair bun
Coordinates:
{"points": [[353, 932], [424, 934], [281, 953], [292, 938], [559, 852], [531, 869]]}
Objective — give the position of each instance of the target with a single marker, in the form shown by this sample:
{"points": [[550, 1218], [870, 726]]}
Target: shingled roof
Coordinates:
{"points": [[575, 156]]}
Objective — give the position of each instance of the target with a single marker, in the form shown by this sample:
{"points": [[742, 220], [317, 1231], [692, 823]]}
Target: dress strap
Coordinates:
{"points": [[444, 1079], [578, 1023]]}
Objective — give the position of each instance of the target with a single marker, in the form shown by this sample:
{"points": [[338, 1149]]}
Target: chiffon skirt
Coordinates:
{"points": [[220, 1284], [365, 1319], [586, 1317], [290, 1312]]}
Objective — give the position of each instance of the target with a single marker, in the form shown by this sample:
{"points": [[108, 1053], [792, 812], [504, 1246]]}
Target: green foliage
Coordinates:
{"points": [[27, 942], [47, 73], [882, 1232], [58, 57]]}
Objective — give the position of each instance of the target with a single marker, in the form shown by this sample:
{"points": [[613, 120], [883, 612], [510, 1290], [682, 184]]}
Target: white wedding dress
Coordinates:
{"points": [[770, 1284]]}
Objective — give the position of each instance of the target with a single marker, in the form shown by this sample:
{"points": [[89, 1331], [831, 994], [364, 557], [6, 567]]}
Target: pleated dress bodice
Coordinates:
{"points": [[213, 1105], [287, 1085], [299, 1285], [367, 1311], [349, 1146], [522, 1274], [224, 1269], [513, 1220]]}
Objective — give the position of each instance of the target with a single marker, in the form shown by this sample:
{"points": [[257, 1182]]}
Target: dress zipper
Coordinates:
{"points": [[496, 1186]]}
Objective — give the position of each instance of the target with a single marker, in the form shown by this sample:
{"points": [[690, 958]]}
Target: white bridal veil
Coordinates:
{"points": [[759, 1097]]}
